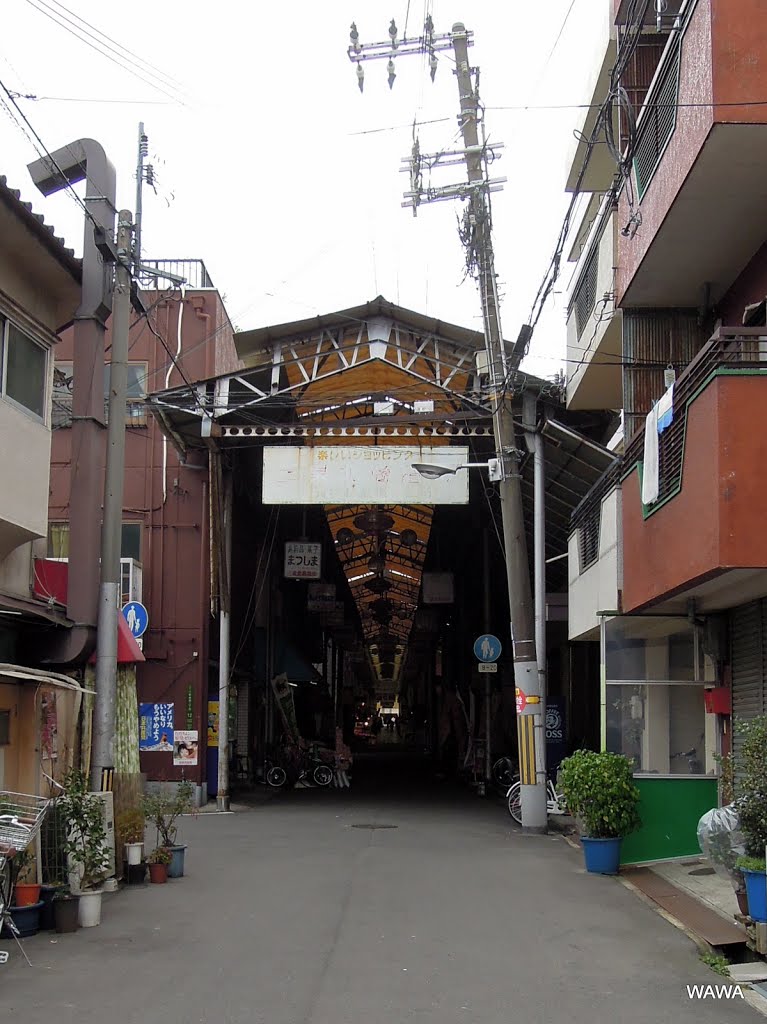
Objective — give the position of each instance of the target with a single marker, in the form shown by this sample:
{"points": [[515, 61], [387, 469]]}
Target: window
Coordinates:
{"points": [[135, 412], [24, 368], [58, 540], [655, 711], [5, 728]]}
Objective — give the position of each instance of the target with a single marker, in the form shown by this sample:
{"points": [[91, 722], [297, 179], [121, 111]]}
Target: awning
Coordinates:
{"points": [[36, 675], [128, 651], [295, 666]]}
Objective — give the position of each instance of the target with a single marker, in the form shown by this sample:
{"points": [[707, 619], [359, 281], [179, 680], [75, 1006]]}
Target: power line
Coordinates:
{"points": [[173, 82], [124, 62], [546, 63]]}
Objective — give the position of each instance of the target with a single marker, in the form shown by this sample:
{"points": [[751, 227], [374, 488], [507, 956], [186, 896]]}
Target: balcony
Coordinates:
{"points": [[593, 323], [594, 556], [699, 189], [193, 272], [704, 537]]}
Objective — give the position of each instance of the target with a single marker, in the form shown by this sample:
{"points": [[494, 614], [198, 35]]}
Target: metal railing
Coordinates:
{"points": [[733, 348], [194, 273]]}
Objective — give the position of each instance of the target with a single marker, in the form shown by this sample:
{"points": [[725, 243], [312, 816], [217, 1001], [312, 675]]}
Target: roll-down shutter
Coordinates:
{"points": [[748, 646]]}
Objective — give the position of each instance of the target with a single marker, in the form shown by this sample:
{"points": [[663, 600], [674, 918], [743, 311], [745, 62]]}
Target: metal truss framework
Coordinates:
{"points": [[285, 371]]}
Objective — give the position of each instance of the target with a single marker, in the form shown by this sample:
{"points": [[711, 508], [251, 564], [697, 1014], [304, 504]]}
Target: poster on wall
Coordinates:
{"points": [[212, 723], [155, 727], [185, 744]]}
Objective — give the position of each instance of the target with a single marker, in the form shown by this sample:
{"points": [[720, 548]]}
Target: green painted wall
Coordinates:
{"points": [[670, 810]]}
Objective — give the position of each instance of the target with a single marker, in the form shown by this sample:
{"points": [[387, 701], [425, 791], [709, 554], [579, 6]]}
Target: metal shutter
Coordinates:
{"points": [[748, 644]]}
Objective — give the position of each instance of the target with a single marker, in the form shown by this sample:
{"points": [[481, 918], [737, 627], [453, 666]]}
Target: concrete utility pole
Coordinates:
{"points": [[143, 152], [477, 238], [102, 755]]}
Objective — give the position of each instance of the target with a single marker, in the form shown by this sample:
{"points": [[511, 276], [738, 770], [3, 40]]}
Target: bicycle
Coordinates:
{"points": [[555, 804], [21, 816], [503, 774], [311, 769]]}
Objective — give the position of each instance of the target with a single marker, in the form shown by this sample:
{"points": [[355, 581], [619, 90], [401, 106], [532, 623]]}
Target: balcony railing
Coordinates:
{"points": [[194, 272], [587, 516], [733, 348]]}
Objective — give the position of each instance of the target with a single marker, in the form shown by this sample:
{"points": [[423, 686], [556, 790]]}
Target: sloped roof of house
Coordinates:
{"points": [[11, 197]]}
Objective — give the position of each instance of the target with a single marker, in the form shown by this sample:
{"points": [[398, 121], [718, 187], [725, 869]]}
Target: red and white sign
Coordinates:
{"points": [[521, 700]]}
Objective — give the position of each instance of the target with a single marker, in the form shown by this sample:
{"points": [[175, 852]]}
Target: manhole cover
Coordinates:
{"points": [[375, 826]]}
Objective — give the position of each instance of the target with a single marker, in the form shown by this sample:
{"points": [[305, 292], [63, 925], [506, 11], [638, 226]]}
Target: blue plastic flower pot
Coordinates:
{"points": [[176, 866], [603, 856], [756, 891]]}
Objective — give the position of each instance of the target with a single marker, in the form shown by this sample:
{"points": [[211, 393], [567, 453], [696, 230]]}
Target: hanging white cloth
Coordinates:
{"points": [[665, 409], [650, 467]]}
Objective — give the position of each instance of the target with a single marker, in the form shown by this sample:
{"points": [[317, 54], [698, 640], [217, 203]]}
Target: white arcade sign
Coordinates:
{"points": [[362, 475]]}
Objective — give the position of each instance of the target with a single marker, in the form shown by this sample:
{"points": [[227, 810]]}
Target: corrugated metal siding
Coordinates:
{"points": [[653, 339], [748, 644]]}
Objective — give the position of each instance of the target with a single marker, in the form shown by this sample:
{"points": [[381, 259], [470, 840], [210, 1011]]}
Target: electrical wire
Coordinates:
{"points": [[116, 56]]}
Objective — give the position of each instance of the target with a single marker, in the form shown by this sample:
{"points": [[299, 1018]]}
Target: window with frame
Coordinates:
{"points": [[135, 411], [130, 542], [23, 368], [655, 712]]}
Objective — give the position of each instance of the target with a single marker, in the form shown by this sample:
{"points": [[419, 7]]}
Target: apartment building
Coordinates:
{"points": [[666, 323]]}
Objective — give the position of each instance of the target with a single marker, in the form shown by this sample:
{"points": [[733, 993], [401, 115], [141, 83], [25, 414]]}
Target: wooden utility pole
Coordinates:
{"points": [[477, 237]]}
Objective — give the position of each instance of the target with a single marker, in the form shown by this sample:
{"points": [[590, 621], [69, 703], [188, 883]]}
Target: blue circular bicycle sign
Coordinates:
{"points": [[137, 618], [487, 648]]}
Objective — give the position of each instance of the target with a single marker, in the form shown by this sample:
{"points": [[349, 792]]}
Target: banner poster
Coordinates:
{"points": [[155, 727], [212, 723], [283, 693], [185, 745], [49, 740]]}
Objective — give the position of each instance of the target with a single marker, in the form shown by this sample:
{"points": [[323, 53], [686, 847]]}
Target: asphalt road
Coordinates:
{"points": [[289, 914]]}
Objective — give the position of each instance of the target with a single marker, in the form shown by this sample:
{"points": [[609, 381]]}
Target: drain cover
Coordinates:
{"points": [[702, 871], [375, 826]]}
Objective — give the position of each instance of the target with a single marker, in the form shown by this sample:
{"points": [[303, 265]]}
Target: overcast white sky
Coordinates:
{"points": [[284, 179]]}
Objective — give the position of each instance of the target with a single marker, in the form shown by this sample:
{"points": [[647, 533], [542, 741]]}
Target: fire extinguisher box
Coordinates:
{"points": [[718, 701]]}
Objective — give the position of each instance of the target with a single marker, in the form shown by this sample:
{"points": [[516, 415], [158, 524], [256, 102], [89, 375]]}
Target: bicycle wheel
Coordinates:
{"points": [[515, 802], [322, 775], [276, 777], [503, 774]]}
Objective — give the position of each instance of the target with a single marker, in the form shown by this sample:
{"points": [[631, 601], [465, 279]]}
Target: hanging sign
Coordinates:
{"points": [[212, 723], [321, 597], [303, 561]]}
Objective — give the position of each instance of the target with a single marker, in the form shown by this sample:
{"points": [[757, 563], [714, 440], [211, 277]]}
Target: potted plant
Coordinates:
{"points": [[159, 859], [600, 793], [66, 910], [163, 811], [750, 773], [85, 843], [130, 828], [26, 889]]}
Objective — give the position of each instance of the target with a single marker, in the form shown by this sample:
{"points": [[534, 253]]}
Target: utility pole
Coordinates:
{"points": [[143, 152], [476, 235], [102, 756]]}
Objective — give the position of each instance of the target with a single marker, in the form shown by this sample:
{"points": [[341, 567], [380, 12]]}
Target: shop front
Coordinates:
{"points": [[654, 677]]}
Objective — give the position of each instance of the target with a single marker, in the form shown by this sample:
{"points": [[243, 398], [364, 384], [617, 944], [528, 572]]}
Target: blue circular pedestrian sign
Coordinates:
{"points": [[137, 617], [487, 647]]}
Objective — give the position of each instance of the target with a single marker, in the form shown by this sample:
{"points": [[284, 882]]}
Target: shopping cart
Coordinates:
{"points": [[21, 816]]}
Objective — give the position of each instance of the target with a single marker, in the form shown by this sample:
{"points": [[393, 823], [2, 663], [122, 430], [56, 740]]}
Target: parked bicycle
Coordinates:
{"points": [[694, 765], [555, 802], [303, 767]]}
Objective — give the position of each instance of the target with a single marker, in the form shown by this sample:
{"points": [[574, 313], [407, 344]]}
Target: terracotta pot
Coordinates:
{"points": [[26, 894], [158, 873]]}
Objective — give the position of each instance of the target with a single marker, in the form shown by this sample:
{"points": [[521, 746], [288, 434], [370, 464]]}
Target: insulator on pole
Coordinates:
{"points": [[393, 34], [355, 38], [392, 72], [360, 76], [433, 62]]}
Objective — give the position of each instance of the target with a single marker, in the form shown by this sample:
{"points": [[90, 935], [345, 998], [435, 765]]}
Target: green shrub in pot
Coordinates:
{"points": [[600, 793]]}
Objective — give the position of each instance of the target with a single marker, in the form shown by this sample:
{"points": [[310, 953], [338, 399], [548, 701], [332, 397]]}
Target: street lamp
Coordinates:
{"points": [[430, 471]]}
